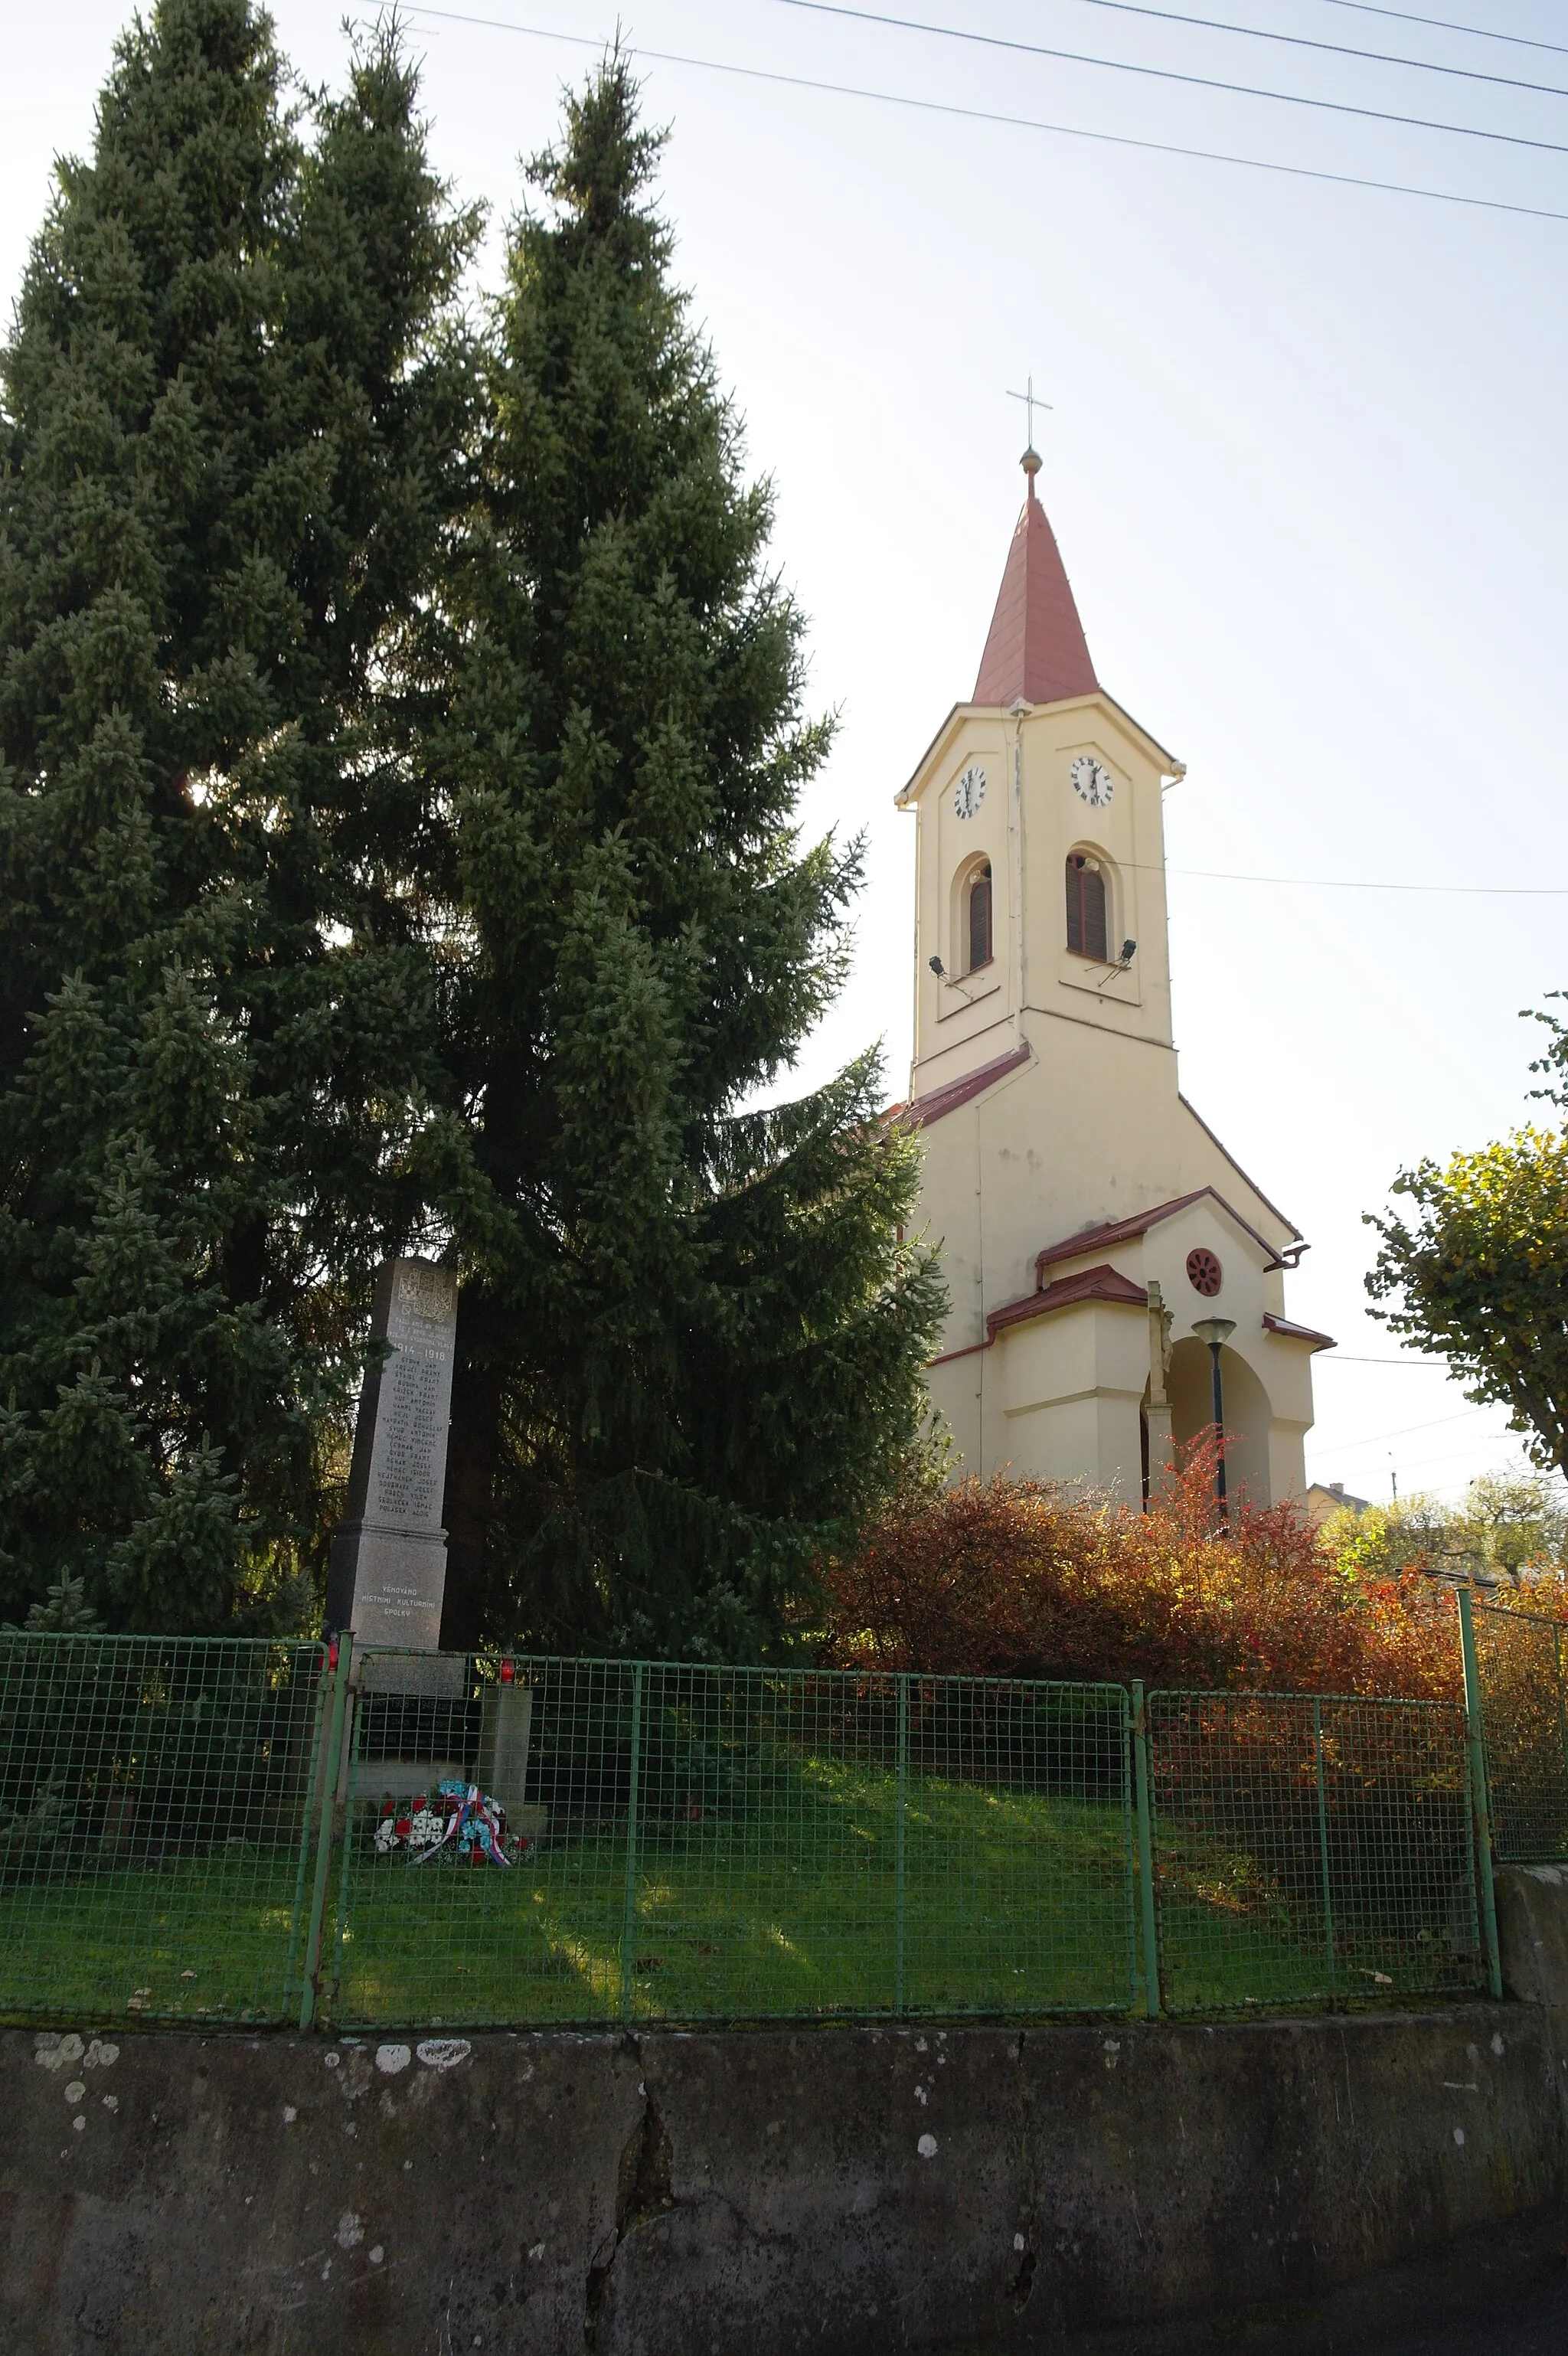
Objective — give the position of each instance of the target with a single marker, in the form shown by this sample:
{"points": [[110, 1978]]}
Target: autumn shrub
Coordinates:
{"points": [[1025, 1579]]}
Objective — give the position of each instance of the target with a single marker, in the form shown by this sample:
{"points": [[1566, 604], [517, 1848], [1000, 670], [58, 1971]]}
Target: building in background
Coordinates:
{"points": [[1324, 1499], [1087, 1216]]}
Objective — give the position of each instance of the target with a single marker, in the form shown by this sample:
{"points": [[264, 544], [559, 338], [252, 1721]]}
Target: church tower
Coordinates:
{"points": [[1087, 1217]]}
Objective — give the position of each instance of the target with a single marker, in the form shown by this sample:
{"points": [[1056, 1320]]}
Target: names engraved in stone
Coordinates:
{"points": [[409, 1463], [389, 1560], [407, 1469]]}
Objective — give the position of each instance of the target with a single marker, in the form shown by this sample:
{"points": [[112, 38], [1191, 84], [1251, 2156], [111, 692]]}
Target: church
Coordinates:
{"points": [[1088, 1219]]}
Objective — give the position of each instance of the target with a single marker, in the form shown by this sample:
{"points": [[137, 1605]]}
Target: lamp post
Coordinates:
{"points": [[1217, 1332]]}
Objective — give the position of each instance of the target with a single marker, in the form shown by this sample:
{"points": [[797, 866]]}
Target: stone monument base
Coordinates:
{"points": [[422, 1676], [387, 1585], [505, 1726]]}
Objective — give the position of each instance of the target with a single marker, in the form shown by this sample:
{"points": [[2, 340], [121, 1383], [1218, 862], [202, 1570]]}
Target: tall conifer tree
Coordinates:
{"points": [[689, 1334], [232, 409]]}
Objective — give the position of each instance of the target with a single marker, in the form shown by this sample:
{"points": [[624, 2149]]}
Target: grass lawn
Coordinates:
{"points": [[212, 1937], [1012, 1903], [1230, 1935]]}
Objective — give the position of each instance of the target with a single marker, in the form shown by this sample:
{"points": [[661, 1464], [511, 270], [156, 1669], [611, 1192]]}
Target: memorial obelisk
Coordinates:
{"points": [[388, 1573]]}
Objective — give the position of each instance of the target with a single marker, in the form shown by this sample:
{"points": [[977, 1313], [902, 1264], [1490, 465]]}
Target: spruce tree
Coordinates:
{"points": [[690, 1335], [233, 411]]}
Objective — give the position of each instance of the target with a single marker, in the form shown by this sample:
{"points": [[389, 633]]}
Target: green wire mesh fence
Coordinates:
{"points": [[1518, 1656], [1310, 1850], [725, 1844], [155, 1802], [246, 1831]]}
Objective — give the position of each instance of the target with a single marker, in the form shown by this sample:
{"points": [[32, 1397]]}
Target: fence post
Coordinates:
{"points": [[1475, 1728], [629, 1912], [1146, 1853], [901, 1781], [1323, 1845], [317, 1750], [1562, 1711], [328, 1788]]}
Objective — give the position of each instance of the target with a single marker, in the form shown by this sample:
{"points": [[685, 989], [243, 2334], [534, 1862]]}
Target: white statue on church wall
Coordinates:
{"points": [[1088, 1219]]}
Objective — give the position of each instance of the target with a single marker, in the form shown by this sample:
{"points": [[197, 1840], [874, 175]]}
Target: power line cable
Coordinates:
{"points": [[1010, 122], [1449, 1488], [1447, 24], [1349, 882], [1401, 1432], [1364, 884], [1348, 1358], [1169, 74], [1247, 32]]}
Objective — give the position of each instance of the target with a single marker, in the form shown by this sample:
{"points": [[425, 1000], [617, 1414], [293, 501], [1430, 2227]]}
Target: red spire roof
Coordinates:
{"points": [[1036, 648]]}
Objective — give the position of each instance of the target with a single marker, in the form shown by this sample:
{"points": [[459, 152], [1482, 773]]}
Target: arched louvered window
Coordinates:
{"points": [[979, 918], [1085, 907]]}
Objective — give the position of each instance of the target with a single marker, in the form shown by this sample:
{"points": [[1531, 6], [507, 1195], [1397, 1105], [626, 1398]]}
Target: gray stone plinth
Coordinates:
{"points": [[506, 1728], [399, 1578], [1532, 1932]]}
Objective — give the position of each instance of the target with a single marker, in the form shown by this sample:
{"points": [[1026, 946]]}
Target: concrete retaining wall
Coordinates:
{"points": [[825, 2192]]}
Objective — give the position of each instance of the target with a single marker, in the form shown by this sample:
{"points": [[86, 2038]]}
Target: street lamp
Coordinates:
{"points": [[1217, 1332]]}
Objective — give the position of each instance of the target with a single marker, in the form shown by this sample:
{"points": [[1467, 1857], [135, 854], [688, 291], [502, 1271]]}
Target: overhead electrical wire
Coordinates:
{"points": [[1365, 884], [419, 8], [1246, 32], [1351, 883], [1401, 1432], [1169, 74], [1447, 24], [1350, 1358]]}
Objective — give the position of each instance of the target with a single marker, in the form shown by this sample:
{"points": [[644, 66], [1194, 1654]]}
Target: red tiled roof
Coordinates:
{"points": [[1036, 646], [1101, 1283], [1121, 1231], [1113, 1231], [921, 1112], [1282, 1325]]}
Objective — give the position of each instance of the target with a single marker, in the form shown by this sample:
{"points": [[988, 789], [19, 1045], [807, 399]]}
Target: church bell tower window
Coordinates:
{"points": [[979, 918], [1086, 927]]}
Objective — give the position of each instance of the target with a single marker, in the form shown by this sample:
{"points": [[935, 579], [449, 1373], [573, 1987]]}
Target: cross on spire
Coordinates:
{"points": [[1031, 401]]}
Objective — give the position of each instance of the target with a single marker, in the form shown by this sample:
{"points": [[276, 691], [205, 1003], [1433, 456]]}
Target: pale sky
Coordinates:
{"points": [[1304, 462]]}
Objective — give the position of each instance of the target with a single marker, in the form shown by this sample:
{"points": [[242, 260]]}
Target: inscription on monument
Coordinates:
{"points": [[410, 1462], [389, 1559], [408, 1466]]}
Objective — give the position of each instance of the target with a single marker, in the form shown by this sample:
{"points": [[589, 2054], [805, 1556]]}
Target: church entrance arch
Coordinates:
{"points": [[1247, 1413]]}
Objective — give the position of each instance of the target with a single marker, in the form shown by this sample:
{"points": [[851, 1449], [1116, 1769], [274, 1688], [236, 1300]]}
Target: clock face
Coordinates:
{"points": [[969, 792], [1092, 781]]}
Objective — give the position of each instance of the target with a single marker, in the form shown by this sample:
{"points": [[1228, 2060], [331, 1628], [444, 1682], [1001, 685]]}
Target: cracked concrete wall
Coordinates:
{"points": [[824, 2191]]}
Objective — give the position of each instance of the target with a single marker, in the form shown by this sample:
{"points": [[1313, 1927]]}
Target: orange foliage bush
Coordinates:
{"points": [[1023, 1579]]}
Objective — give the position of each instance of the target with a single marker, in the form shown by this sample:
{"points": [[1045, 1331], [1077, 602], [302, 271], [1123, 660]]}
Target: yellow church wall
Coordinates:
{"points": [[1092, 1130], [1002, 1199], [955, 1392], [1060, 1441], [1071, 1385]]}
